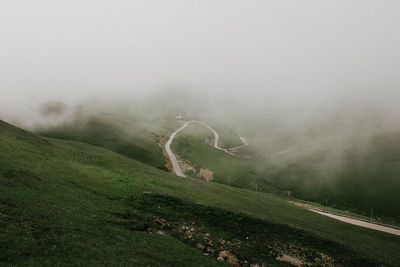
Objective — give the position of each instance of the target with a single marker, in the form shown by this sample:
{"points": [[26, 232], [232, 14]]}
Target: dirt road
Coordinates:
{"points": [[358, 222], [175, 164]]}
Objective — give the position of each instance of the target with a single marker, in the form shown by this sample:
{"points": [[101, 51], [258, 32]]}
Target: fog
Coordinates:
{"points": [[313, 86], [290, 60]]}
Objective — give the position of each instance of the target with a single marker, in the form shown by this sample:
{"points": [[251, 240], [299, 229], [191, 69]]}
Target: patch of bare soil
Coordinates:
{"points": [[187, 168], [231, 250], [202, 173], [206, 174]]}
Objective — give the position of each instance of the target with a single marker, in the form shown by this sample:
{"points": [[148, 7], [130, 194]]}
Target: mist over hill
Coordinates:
{"points": [[344, 153], [199, 133]]}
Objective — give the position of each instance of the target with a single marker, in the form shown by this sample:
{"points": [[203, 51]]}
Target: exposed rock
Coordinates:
{"points": [[186, 167], [220, 258], [231, 259], [223, 253], [217, 247], [210, 250], [206, 174], [289, 259], [200, 246], [162, 222]]}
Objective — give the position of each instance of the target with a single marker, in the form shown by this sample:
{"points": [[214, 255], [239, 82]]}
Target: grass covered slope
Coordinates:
{"points": [[68, 203], [132, 138], [359, 173], [61, 203], [191, 144]]}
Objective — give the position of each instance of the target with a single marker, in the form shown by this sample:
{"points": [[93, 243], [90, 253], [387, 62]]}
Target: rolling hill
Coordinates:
{"points": [[355, 172], [69, 203], [127, 136]]}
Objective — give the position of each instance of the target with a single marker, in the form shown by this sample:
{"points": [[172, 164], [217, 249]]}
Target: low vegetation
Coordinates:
{"points": [[126, 136], [68, 203], [361, 177]]}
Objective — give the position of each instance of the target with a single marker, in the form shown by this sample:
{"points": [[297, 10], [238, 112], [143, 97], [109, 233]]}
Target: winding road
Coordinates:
{"points": [[347, 219], [175, 164]]}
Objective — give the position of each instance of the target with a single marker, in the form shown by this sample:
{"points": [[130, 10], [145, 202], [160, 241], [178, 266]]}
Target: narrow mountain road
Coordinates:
{"points": [[391, 229], [351, 220], [175, 164], [358, 222]]}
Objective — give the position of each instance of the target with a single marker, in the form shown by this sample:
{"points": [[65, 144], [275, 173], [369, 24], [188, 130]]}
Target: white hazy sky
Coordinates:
{"points": [[293, 50]]}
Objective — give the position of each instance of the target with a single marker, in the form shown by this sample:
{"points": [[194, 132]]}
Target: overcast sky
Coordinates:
{"points": [[300, 51]]}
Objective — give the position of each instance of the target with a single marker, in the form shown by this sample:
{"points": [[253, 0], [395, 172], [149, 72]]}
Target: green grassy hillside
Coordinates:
{"points": [[363, 176], [69, 203], [191, 144], [129, 137], [358, 173]]}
